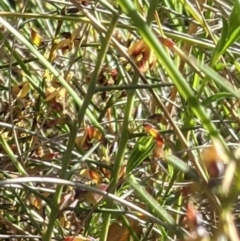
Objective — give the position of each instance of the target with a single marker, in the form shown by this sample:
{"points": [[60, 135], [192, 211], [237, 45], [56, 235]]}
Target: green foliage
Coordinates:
{"points": [[119, 120], [140, 152], [230, 33]]}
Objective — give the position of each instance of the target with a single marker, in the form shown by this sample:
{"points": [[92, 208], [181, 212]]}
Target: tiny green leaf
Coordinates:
{"points": [[216, 97], [230, 33], [140, 151], [218, 51]]}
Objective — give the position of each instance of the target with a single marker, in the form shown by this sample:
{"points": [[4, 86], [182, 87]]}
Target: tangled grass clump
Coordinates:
{"points": [[119, 120]]}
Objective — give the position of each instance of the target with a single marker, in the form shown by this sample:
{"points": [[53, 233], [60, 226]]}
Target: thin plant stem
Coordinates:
{"points": [[119, 157]]}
